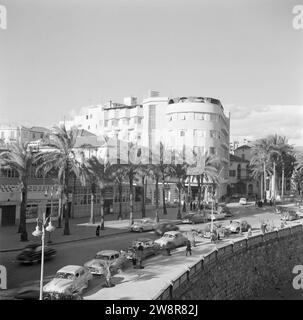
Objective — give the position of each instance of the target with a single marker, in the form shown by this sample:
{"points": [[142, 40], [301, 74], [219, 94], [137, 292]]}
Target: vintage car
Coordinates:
{"points": [[237, 225], [115, 259], [141, 225], [32, 253], [68, 280], [243, 201], [163, 227], [172, 239], [224, 209], [149, 248], [215, 215], [194, 218], [290, 215]]}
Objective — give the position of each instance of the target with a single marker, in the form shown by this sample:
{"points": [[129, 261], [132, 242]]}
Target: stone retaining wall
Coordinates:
{"points": [[242, 270]]}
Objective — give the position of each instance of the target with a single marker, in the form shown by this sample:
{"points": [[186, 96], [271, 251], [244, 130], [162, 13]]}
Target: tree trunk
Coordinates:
{"points": [[143, 197], [179, 216], [66, 230], [120, 201], [199, 193], [282, 188], [60, 211], [264, 172], [163, 196], [22, 225], [261, 187], [92, 216], [274, 182], [102, 210], [131, 200], [157, 199]]}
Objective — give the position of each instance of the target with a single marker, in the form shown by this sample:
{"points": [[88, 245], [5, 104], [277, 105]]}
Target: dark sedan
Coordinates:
{"points": [[32, 253], [161, 228]]}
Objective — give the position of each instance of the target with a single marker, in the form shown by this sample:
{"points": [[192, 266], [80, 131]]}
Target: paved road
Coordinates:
{"points": [[80, 252]]}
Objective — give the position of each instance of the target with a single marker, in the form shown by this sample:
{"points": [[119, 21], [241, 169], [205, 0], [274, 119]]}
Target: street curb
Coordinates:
{"points": [[77, 240], [68, 241]]}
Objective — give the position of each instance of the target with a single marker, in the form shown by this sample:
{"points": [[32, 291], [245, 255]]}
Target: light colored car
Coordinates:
{"points": [[98, 264], [237, 225], [149, 248], [141, 225], [69, 279], [174, 238], [243, 201], [216, 216], [290, 215]]}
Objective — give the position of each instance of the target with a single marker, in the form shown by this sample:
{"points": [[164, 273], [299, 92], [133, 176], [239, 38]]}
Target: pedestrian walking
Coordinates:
{"points": [[140, 255], [98, 231], [134, 259], [188, 247]]}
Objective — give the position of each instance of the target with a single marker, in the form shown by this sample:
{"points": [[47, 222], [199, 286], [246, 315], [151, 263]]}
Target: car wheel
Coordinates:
{"points": [[238, 230], [141, 230]]}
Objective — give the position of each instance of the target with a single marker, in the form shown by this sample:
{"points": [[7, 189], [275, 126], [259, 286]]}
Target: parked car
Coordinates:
{"points": [[141, 225], [236, 225], [97, 265], [68, 280], [172, 238], [32, 253], [149, 248], [193, 218], [243, 201], [215, 215], [224, 209], [161, 228], [290, 215]]}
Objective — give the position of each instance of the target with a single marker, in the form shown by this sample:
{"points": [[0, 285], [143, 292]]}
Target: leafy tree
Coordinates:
{"points": [[62, 158], [20, 158]]}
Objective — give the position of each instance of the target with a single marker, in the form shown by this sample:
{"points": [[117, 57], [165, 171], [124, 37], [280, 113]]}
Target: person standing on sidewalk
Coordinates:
{"points": [[98, 231], [140, 255], [188, 247]]}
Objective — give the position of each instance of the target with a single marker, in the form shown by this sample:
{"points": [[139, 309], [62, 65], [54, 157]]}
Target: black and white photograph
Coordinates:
{"points": [[151, 150]]}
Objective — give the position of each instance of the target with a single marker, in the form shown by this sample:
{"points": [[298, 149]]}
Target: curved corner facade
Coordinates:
{"points": [[196, 124]]}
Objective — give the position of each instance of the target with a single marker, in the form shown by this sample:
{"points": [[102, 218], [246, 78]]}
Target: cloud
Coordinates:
{"points": [[260, 121]]}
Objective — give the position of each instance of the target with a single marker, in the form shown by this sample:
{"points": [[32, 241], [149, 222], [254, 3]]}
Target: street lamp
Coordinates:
{"points": [[40, 231]]}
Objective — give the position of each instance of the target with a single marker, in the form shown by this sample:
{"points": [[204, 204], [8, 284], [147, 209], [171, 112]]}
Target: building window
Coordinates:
{"points": [[182, 116], [139, 120], [170, 118], [182, 133], [86, 116], [213, 133], [34, 136], [212, 150], [199, 116], [91, 116], [239, 172], [232, 173], [105, 123], [41, 135], [88, 127]]}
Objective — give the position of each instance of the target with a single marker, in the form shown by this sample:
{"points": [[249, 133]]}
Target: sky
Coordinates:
{"points": [[57, 56]]}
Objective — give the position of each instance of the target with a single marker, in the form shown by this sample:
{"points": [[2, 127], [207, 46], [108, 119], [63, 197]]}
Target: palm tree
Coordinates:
{"points": [[116, 173], [63, 159], [20, 158], [155, 174], [179, 172], [95, 169], [279, 149], [261, 153]]}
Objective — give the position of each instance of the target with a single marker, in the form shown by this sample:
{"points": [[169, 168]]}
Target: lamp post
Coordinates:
{"points": [[40, 231], [51, 214]]}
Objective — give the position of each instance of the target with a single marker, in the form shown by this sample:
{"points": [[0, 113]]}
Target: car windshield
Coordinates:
{"points": [[64, 275], [102, 257], [169, 236]]}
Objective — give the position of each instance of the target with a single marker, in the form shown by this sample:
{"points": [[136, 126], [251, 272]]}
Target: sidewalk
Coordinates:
{"points": [[80, 229]]}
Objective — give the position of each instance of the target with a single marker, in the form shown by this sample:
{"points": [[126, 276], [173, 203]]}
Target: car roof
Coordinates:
{"points": [[107, 252], [172, 232], [70, 269]]}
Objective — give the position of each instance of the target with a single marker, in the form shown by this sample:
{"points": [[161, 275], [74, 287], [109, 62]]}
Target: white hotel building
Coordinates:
{"points": [[193, 123]]}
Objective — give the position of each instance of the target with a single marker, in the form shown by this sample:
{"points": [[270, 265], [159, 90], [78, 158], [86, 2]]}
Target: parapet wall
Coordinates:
{"points": [[243, 269]]}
